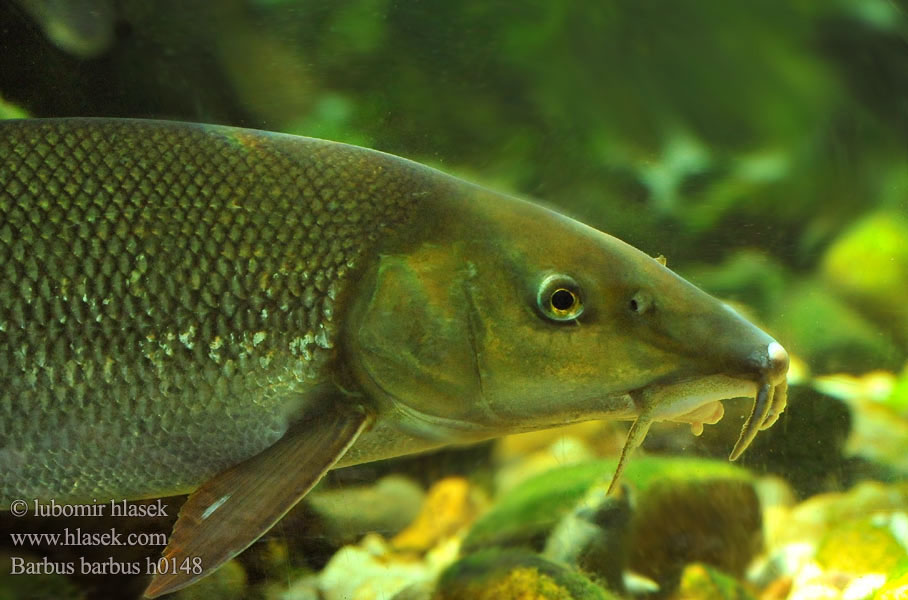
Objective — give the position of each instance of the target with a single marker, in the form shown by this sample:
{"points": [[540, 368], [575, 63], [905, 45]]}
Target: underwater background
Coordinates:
{"points": [[762, 147]]}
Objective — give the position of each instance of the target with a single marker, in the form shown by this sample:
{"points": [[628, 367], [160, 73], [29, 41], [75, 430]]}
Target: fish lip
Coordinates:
{"points": [[763, 377], [686, 398], [771, 372], [673, 397]]}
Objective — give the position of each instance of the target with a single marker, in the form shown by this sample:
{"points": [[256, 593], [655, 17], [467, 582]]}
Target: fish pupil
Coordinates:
{"points": [[634, 306], [559, 298], [562, 299]]}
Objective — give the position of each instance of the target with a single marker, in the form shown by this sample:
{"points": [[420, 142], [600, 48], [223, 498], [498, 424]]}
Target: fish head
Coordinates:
{"points": [[512, 317]]}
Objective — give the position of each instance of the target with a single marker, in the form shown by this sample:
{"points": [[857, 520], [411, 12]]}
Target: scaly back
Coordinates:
{"points": [[168, 292]]}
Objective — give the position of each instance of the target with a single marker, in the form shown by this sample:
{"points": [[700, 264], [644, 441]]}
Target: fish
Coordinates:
{"points": [[230, 313]]}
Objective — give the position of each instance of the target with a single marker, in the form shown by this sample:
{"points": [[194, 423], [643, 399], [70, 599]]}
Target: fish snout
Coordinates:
{"points": [[778, 362], [770, 362]]}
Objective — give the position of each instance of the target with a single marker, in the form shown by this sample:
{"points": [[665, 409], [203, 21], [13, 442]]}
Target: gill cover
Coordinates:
{"points": [[416, 339]]}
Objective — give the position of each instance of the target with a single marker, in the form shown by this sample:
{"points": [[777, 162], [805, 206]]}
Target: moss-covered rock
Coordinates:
{"points": [[879, 442], [831, 335], [868, 264], [373, 570], [526, 515], [385, 507], [866, 545], [686, 510], [514, 574], [877, 445], [896, 586], [813, 519], [715, 520], [593, 536], [702, 582]]}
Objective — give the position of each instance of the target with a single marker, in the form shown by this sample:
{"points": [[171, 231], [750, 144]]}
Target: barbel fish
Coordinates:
{"points": [[231, 313]]}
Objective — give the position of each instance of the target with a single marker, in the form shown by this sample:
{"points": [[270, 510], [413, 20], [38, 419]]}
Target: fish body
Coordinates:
{"points": [[188, 307], [170, 295]]}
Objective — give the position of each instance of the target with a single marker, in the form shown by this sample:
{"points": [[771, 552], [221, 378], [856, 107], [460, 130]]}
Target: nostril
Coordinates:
{"points": [[778, 361]]}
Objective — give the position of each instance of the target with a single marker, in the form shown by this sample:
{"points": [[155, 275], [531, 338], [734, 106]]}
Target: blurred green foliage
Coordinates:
{"points": [[898, 399], [11, 111]]}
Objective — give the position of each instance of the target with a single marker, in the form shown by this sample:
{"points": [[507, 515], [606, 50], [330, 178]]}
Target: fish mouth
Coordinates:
{"points": [[698, 402], [764, 378], [770, 401]]}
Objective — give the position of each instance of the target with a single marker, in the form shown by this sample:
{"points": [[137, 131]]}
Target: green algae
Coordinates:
{"points": [[493, 574], [8, 110], [867, 545], [868, 264], [702, 582], [896, 586], [529, 511]]}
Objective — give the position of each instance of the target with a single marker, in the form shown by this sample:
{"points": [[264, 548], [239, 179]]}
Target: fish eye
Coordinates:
{"points": [[559, 298], [640, 303]]}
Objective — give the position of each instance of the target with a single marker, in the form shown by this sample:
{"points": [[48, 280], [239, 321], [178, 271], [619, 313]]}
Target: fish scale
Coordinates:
{"points": [[167, 294]]}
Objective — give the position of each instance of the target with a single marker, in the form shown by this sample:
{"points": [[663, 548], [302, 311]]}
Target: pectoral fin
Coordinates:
{"points": [[231, 511]]}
